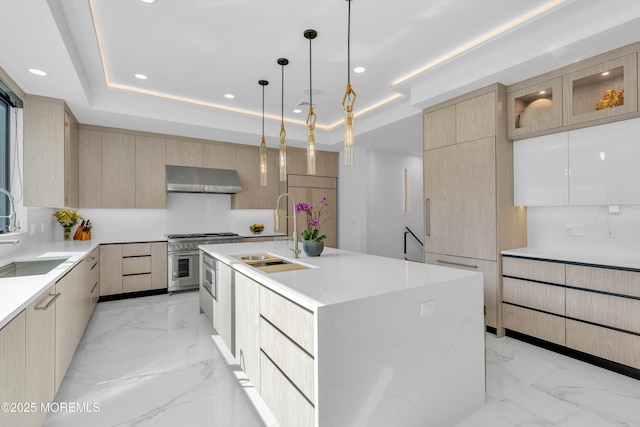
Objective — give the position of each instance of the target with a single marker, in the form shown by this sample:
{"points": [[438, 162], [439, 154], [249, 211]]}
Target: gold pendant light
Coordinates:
{"points": [[263, 144], [311, 117], [347, 102], [283, 133]]}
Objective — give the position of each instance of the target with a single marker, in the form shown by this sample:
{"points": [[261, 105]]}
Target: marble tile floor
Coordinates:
{"points": [[151, 362]]}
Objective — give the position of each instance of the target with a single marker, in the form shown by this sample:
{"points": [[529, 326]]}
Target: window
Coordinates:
{"points": [[4, 163]]}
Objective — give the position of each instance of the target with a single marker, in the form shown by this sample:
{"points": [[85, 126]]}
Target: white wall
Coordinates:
{"points": [[546, 229], [371, 197]]}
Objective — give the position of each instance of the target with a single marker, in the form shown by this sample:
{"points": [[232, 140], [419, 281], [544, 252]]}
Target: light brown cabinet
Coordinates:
{"points": [[587, 308], [13, 369], [183, 153], [223, 303], [40, 350], [69, 321], [118, 170], [133, 267], [468, 189], [90, 169], [51, 153], [566, 98], [150, 188]]}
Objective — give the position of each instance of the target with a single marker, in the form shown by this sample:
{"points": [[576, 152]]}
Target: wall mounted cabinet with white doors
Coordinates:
{"points": [[591, 166], [541, 171], [604, 162]]}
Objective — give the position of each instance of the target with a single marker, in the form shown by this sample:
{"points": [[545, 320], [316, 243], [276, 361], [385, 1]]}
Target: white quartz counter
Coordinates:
{"points": [[336, 276], [592, 258], [16, 293]]}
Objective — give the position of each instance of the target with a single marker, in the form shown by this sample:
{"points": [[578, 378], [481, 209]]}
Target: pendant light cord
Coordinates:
{"points": [[282, 99], [263, 111], [310, 80], [349, 45]]}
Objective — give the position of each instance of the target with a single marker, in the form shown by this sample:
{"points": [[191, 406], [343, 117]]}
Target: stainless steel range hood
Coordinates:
{"points": [[183, 179]]}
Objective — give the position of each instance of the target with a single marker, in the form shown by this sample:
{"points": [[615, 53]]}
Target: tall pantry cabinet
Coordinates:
{"points": [[468, 189]]}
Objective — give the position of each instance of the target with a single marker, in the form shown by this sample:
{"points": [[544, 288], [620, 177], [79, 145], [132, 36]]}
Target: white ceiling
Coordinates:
{"points": [[195, 51]]}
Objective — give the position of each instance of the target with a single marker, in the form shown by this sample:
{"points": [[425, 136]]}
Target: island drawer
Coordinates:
{"points": [[535, 295], [603, 342], [136, 265], [293, 320], [542, 271], [136, 283], [534, 323], [620, 282], [294, 362], [287, 404], [136, 249]]}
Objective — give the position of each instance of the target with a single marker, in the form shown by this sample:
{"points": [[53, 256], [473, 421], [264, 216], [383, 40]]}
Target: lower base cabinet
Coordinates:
{"points": [[247, 327], [589, 308], [133, 267], [40, 348], [12, 369], [69, 326], [287, 404]]}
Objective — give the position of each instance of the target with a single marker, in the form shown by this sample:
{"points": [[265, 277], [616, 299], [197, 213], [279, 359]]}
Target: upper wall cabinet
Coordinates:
{"points": [[151, 191], [604, 164], [534, 108], [591, 166], [50, 153], [540, 171], [595, 91], [183, 153], [439, 128], [601, 91]]}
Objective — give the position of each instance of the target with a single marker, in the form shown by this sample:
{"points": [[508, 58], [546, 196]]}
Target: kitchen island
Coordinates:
{"points": [[354, 339]]}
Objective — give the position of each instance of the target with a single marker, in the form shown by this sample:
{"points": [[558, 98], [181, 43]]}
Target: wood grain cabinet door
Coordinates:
{"points": [[460, 200]]}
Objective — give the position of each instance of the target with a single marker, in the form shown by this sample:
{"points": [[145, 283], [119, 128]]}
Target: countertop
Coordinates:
{"points": [[599, 258], [336, 276], [16, 293]]}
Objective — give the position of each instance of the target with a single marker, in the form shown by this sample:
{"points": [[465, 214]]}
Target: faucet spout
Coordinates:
{"points": [[295, 249], [12, 215]]}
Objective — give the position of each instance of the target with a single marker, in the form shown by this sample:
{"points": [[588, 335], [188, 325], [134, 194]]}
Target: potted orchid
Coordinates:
{"points": [[313, 243]]}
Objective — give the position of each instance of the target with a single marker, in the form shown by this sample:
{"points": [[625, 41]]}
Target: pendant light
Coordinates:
{"points": [[311, 118], [347, 101], [263, 144], [283, 133]]}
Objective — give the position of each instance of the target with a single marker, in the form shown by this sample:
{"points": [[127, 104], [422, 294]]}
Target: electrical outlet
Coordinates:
{"points": [[427, 308], [137, 223], [42, 227], [33, 229], [610, 230]]}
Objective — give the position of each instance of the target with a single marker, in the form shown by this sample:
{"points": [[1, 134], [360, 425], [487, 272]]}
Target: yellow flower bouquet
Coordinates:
{"points": [[67, 219]]}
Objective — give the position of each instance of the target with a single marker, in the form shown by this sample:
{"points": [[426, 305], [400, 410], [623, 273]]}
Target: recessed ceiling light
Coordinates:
{"points": [[606, 73], [148, 1], [229, 95], [141, 76], [297, 110], [37, 72], [359, 70], [542, 92]]}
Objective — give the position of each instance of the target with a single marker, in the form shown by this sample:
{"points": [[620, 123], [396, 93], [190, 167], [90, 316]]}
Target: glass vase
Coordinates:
{"points": [[67, 233]]}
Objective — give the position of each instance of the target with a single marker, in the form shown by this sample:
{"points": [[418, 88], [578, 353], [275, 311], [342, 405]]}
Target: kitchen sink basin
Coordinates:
{"points": [[270, 263], [30, 268]]}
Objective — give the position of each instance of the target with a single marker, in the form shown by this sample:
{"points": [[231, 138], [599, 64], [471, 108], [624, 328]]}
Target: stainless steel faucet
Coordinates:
{"points": [[12, 215], [295, 249]]}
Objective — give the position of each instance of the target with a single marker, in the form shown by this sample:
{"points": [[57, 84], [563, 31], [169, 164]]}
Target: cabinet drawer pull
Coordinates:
{"points": [[51, 301], [94, 287], [427, 217], [459, 264]]}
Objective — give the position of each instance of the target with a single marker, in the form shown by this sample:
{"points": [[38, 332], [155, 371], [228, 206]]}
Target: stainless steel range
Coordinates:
{"points": [[184, 257]]}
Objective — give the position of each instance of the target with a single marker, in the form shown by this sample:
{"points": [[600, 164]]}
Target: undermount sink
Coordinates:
{"points": [[270, 263], [30, 268], [255, 257]]}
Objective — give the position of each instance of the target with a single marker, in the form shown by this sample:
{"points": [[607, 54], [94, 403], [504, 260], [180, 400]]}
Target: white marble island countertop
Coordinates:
{"points": [[336, 276]]}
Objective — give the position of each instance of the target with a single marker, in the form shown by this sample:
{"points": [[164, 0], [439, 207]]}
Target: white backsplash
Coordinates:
{"points": [[546, 229], [185, 213], [37, 226]]}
